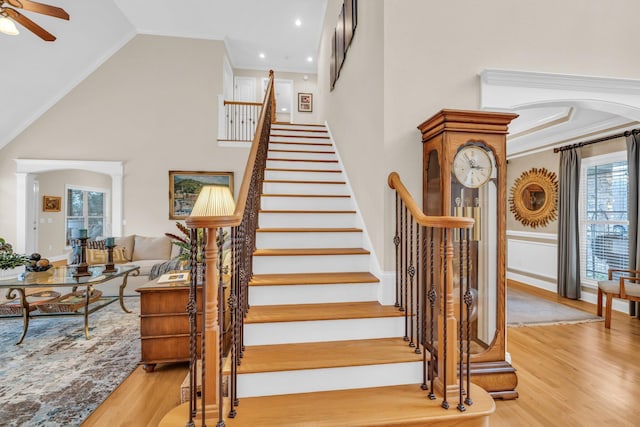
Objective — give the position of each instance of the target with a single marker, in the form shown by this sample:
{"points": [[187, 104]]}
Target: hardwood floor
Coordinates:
{"points": [[568, 375]]}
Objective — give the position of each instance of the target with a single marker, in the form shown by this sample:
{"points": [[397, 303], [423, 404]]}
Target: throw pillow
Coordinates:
{"points": [[151, 248], [96, 256], [126, 242]]}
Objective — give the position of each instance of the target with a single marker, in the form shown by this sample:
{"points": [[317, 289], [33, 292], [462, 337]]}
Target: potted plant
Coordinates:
{"points": [[8, 259]]}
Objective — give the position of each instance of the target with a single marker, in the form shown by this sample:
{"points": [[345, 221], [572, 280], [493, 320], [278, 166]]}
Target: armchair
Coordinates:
{"points": [[627, 286]]}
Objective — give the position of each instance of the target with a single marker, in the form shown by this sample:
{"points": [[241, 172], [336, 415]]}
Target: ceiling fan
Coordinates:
{"points": [[8, 10]]}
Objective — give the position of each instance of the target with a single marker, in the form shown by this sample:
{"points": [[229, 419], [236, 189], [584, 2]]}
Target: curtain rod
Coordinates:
{"points": [[593, 141]]}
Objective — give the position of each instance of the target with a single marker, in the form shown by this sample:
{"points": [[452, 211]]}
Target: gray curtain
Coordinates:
{"points": [[633, 167], [568, 236]]}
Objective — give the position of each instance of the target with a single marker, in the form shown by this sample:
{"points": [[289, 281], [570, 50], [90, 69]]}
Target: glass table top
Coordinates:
{"points": [[63, 276]]}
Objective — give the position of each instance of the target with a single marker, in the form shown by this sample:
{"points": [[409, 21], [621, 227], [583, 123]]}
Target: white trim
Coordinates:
{"points": [[26, 169], [532, 281], [227, 143], [530, 79], [532, 235], [44, 106]]}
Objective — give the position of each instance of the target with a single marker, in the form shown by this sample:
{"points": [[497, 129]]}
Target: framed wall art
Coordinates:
{"points": [[305, 102], [184, 187], [51, 204], [341, 38]]}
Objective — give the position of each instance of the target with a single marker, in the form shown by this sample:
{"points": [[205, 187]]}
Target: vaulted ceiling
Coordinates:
{"points": [[36, 74]]}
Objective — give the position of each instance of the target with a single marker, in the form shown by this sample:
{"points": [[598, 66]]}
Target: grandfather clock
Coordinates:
{"points": [[464, 174]]}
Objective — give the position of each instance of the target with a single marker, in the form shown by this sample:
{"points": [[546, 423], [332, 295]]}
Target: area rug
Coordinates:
{"points": [[524, 309], [56, 377]]}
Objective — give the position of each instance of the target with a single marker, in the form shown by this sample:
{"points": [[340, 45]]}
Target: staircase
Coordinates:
{"points": [[320, 349]]}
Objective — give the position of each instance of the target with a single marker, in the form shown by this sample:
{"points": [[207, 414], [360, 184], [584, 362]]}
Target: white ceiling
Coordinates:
{"points": [[37, 74]]}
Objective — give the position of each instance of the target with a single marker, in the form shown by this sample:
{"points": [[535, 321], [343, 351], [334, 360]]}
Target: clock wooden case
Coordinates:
{"points": [[464, 174]]}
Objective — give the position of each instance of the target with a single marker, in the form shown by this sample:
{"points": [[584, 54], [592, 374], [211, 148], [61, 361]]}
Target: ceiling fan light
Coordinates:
{"points": [[8, 27]]}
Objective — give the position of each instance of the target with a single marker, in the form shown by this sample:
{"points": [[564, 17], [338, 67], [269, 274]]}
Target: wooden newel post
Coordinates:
{"points": [[274, 112], [211, 329], [447, 377]]}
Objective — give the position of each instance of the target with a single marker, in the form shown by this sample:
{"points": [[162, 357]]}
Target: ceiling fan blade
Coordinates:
{"points": [[44, 9], [30, 25]]}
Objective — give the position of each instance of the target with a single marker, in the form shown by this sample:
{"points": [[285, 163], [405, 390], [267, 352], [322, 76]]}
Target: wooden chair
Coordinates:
{"points": [[627, 286]]}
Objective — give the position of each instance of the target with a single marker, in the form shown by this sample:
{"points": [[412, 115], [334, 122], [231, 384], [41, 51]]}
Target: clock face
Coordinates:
{"points": [[472, 166]]}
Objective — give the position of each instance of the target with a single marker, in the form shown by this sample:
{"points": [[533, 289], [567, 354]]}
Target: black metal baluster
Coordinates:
{"points": [[433, 296], [461, 320], [203, 364], [192, 312], [396, 242], [418, 313], [423, 311], [411, 271], [468, 300], [405, 271], [445, 242]]}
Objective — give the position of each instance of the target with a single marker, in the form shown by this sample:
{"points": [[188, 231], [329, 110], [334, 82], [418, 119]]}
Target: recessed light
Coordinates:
{"points": [[309, 59], [261, 55], [298, 22], [283, 109]]}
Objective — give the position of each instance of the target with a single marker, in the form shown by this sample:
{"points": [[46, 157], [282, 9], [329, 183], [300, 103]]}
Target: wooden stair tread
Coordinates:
{"points": [[276, 150], [316, 144], [329, 311], [391, 406], [285, 181], [312, 278], [302, 160], [310, 251], [287, 124], [326, 354], [344, 196], [277, 135], [299, 130], [306, 212], [308, 230], [304, 170]]}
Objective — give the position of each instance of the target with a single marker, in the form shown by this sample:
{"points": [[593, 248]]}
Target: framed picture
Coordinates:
{"points": [[184, 187], [51, 204], [333, 75], [350, 21], [305, 102], [340, 41]]}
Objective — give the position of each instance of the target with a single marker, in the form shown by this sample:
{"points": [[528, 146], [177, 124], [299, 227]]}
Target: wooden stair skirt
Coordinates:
{"points": [[404, 405]]}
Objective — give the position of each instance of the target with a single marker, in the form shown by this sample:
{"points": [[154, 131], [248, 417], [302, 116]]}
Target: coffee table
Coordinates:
{"points": [[63, 277]]}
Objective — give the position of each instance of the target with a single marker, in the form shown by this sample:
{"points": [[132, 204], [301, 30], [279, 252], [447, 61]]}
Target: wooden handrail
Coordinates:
{"points": [[235, 219], [428, 221], [257, 104]]}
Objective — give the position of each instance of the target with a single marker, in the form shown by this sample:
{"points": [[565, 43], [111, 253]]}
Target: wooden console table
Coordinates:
{"points": [[164, 323]]}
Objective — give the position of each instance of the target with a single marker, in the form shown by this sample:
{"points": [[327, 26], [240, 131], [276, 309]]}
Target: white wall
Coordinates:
{"points": [[411, 58], [153, 106], [300, 84]]}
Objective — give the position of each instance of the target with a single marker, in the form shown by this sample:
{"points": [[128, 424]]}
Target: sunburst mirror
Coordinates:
{"points": [[534, 196]]}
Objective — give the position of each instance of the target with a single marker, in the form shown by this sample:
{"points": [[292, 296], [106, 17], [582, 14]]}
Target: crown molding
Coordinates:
{"points": [[571, 82]]}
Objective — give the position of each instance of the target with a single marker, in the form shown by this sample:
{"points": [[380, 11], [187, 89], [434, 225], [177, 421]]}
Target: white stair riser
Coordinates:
{"points": [[302, 176], [292, 220], [313, 294], [310, 264], [301, 147], [290, 126], [303, 188], [301, 156], [288, 164], [343, 378], [298, 132], [307, 203], [323, 330], [281, 240]]}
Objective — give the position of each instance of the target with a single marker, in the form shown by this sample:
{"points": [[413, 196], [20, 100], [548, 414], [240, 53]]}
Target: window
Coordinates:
{"points": [[86, 208], [604, 241]]}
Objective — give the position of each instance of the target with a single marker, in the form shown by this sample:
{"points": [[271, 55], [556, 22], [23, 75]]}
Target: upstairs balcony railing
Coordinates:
{"points": [[238, 120], [434, 292]]}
